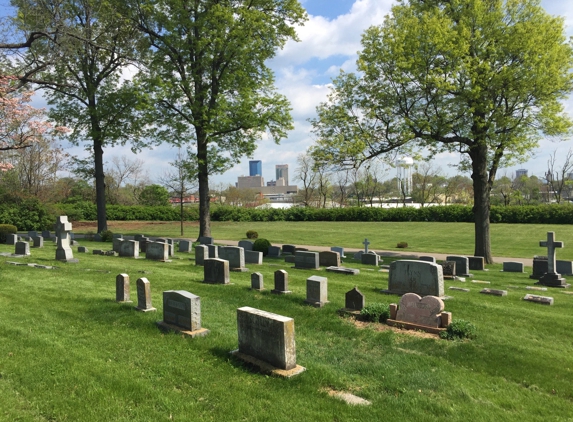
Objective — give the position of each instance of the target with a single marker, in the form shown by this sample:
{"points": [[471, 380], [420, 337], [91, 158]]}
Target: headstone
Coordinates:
{"points": [[288, 249], [216, 271], [354, 300], [552, 278], [257, 281], [97, 237], [267, 337], [513, 267], [564, 267], [201, 253], [300, 249], [171, 248], [448, 269], [366, 243], [144, 295], [22, 248], [329, 259], [413, 276], [63, 229], [317, 291], [281, 283], [11, 239], [289, 259], [540, 267], [236, 258], [116, 242], [32, 234], [476, 263], [424, 311], [82, 249], [306, 260], [157, 251], [182, 313], [462, 265], [544, 300], [221, 252], [117, 236], [122, 288], [143, 241], [185, 246], [206, 240], [494, 292], [338, 249], [38, 242], [274, 251], [427, 258], [254, 257], [129, 248], [369, 258], [358, 256], [247, 245], [213, 250], [138, 237], [46, 234], [343, 270]]}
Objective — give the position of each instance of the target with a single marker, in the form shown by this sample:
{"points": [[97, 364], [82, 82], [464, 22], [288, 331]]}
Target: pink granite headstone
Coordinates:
{"points": [[421, 311]]}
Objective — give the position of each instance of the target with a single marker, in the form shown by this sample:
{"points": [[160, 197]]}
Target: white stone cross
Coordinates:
{"points": [[551, 244], [366, 243], [63, 229]]}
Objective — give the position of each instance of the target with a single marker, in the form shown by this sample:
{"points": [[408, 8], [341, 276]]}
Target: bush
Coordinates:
{"points": [[376, 312], [106, 236], [459, 329], [402, 245], [6, 229], [251, 234], [262, 245]]}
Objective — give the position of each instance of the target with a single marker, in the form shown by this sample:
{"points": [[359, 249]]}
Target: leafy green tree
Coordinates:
{"points": [[208, 74], [483, 78], [154, 195]]}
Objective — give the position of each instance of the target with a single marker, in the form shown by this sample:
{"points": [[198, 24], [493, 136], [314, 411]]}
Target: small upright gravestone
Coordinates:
{"points": [[144, 295], [216, 271], [129, 248], [201, 253], [257, 281], [552, 278], [413, 276], [427, 258], [63, 249], [157, 251], [253, 257], [11, 239], [281, 283], [274, 251], [267, 341], [338, 249], [306, 260], [206, 240], [476, 263], [540, 267], [247, 245], [512, 267], [564, 267], [38, 242], [122, 288], [236, 257], [185, 246], [22, 248], [329, 259], [448, 269], [213, 251], [462, 265], [316, 291], [354, 300], [182, 313], [415, 312], [288, 249], [370, 258]]}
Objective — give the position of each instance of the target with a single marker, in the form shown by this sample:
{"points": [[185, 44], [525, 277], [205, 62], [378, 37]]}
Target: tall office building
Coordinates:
{"points": [[520, 172], [282, 172], [255, 168]]}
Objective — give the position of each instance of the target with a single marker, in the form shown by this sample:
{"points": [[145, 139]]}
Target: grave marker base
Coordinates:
{"points": [[267, 368], [239, 270], [163, 326], [349, 312], [281, 292], [316, 304], [145, 309], [411, 326]]}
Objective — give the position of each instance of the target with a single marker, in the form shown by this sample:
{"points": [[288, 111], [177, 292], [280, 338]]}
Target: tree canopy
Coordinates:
{"points": [[483, 78]]}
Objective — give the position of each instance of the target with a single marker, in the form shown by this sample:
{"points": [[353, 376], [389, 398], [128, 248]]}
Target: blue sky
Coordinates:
{"points": [[329, 41]]}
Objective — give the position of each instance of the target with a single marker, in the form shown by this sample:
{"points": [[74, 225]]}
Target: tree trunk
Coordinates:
{"points": [[181, 210], [100, 186], [203, 176], [482, 190]]}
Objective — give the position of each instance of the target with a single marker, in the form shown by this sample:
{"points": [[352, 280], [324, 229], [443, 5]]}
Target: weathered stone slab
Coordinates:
{"points": [[144, 295], [157, 251], [201, 253], [182, 313], [267, 336], [513, 267], [247, 245], [274, 251], [424, 311], [413, 276], [369, 258], [317, 291], [427, 258], [122, 288], [129, 248], [38, 242], [236, 257], [253, 257], [544, 300], [206, 240], [476, 263], [462, 265], [338, 249], [306, 260], [354, 300], [343, 270], [448, 269], [216, 271], [22, 248], [281, 283], [257, 281], [494, 292], [185, 246], [329, 259]]}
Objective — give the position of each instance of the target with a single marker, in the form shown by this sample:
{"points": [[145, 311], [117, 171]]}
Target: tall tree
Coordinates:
{"points": [[558, 178], [208, 74], [483, 78]]}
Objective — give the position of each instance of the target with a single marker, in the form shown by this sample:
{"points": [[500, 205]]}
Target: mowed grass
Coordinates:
{"points": [[69, 352], [507, 240]]}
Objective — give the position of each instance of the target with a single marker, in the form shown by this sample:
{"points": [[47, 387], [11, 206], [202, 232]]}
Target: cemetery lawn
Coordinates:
{"points": [[507, 240], [69, 352]]}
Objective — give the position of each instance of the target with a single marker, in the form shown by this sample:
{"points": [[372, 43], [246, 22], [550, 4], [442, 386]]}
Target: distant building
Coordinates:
{"points": [[520, 172], [255, 168], [249, 182], [282, 172], [272, 183]]}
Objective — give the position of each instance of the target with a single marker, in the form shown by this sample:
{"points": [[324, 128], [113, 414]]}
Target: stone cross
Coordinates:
{"points": [[551, 244], [63, 229], [366, 243]]}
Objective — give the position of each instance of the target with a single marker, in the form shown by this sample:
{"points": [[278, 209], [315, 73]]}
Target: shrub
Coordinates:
{"points": [[459, 329], [262, 245], [251, 234], [402, 245], [106, 236], [6, 229], [376, 312]]}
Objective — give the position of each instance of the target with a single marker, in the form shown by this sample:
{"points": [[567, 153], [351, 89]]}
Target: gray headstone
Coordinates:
{"points": [[122, 288], [63, 229], [116, 242], [564, 267], [329, 259], [540, 267], [216, 271], [38, 242], [338, 249], [82, 249], [544, 300], [157, 251], [129, 248], [182, 309], [11, 239], [306, 260], [274, 251], [257, 281], [412, 276], [185, 246], [117, 236], [254, 257], [201, 253], [46, 234], [513, 267], [143, 244], [494, 292], [317, 291], [32, 234], [22, 248], [343, 270], [281, 282], [476, 263], [206, 240], [247, 245], [462, 264], [289, 259], [448, 269], [354, 300], [236, 257], [221, 252], [267, 336], [138, 237], [213, 250], [358, 256], [369, 258], [144, 295], [97, 237], [288, 249], [427, 258]]}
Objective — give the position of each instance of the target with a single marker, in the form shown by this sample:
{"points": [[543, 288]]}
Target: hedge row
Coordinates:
{"points": [[86, 211]]}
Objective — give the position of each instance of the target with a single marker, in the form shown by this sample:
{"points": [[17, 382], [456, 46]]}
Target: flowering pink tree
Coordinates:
{"points": [[21, 125]]}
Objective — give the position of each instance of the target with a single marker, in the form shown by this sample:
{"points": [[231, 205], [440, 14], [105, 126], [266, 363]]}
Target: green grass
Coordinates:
{"points": [[69, 352]]}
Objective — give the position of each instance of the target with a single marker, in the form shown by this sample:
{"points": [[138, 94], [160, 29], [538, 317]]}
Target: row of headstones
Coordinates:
{"points": [[237, 256]]}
